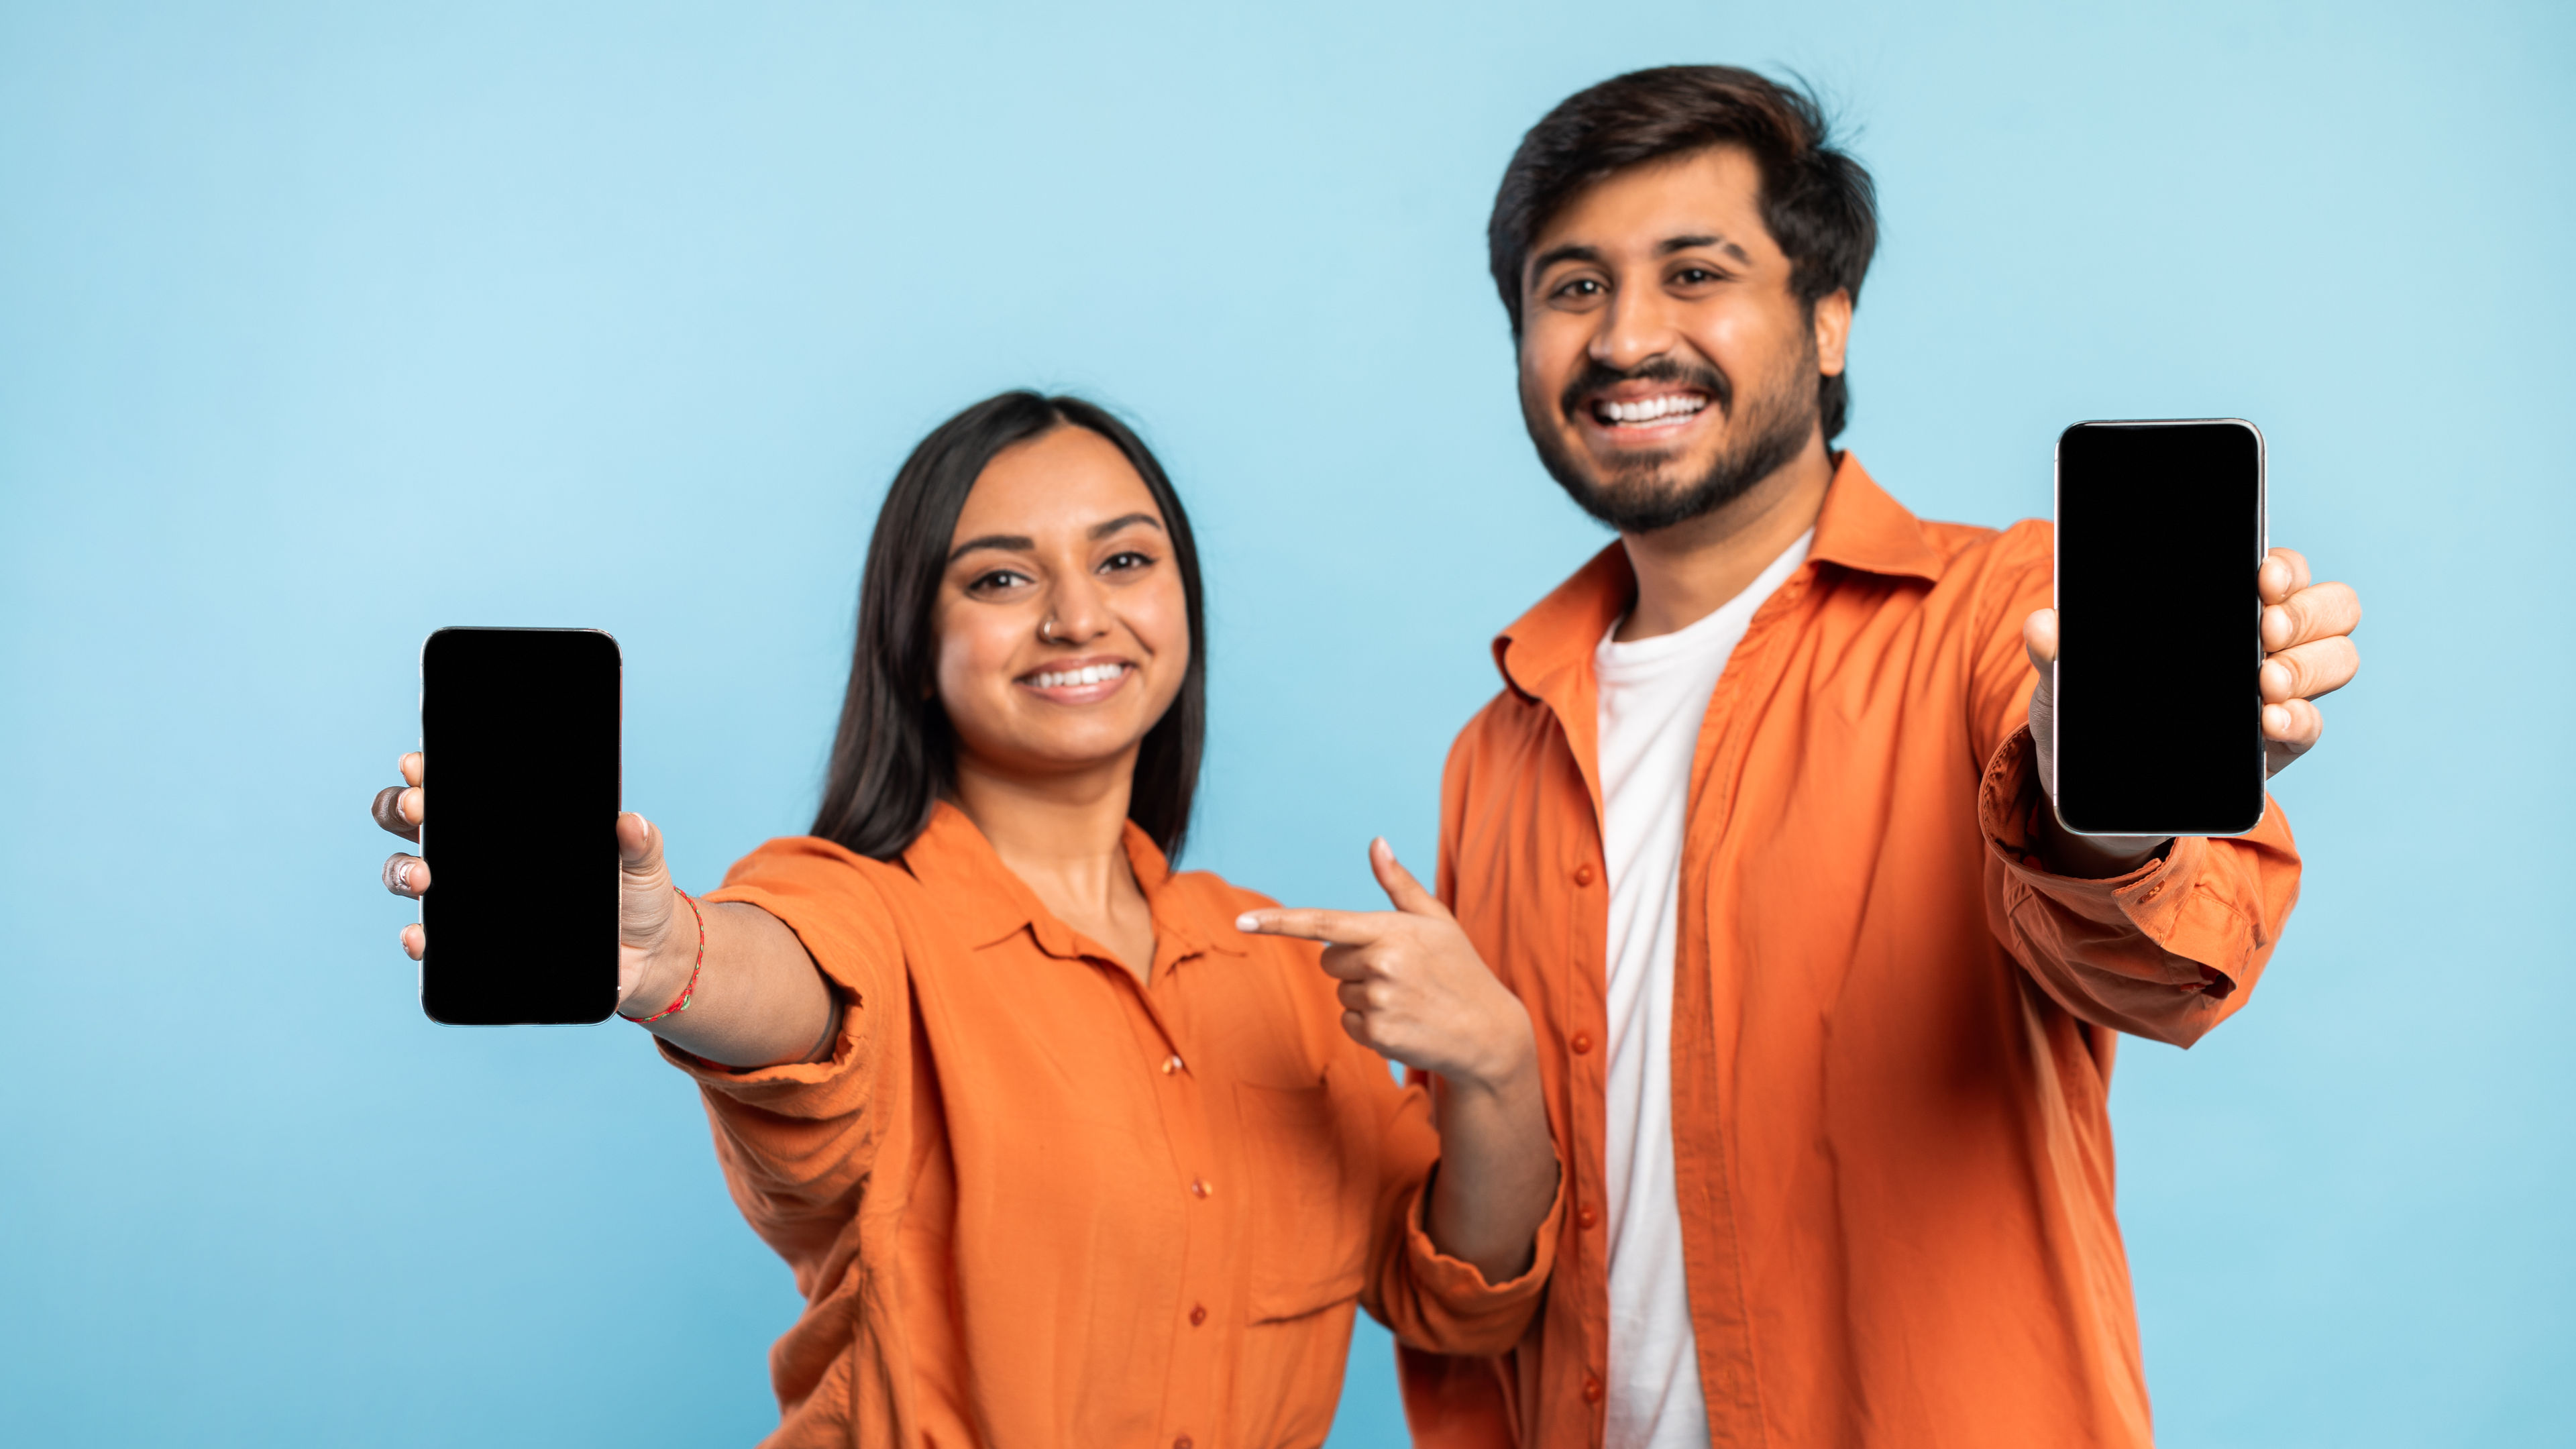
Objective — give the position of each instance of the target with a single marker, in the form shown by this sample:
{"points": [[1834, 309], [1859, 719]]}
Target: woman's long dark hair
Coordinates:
{"points": [[895, 754]]}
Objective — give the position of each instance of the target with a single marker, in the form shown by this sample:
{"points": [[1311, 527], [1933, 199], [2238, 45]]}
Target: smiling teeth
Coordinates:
{"points": [[1649, 409], [1087, 674]]}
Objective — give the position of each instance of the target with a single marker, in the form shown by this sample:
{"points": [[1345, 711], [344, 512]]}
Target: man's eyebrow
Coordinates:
{"points": [[1577, 252], [1570, 252], [1008, 541], [1671, 245], [1103, 530]]}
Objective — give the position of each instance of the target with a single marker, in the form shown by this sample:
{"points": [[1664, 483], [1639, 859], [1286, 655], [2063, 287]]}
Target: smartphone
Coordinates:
{"points": [[519, 732], [2159, 720]]}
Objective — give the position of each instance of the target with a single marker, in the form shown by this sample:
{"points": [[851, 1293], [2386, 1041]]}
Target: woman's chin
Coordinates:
{"points": [[1041, 753]]}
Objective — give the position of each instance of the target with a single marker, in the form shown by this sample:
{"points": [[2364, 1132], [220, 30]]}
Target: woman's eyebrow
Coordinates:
{"points": [[1103, 530], [1009, 542], [1022, 543]]}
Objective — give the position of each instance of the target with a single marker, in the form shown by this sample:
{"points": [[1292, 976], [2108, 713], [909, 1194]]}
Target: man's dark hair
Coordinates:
{"points": [[1817, 201], [895, 754]]}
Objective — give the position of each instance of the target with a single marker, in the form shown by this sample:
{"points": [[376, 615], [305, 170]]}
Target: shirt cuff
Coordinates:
{"points": [[800, 1089], [2157, 900], [1460, 1286]]}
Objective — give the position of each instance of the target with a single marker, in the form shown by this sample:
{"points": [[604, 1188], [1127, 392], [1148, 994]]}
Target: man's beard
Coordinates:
{"points": [[1775, 424]]}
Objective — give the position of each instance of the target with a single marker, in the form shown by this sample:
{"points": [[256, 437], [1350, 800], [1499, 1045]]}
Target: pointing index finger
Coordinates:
{"points": [[1339, 928]]}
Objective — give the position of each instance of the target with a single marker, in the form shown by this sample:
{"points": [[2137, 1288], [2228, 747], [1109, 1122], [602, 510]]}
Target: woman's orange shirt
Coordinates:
{"points": [[1031, 1202]]}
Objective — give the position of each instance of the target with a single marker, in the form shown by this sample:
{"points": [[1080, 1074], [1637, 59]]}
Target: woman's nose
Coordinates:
{"points": [[1077, 614]]}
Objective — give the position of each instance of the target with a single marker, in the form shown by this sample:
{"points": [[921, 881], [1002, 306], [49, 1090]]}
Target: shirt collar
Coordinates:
{"points": [[1863, 528], [990, 903], [1545, 655]]}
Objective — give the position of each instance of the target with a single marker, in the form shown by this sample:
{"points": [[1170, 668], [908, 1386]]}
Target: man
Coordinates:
{"points": [[1826, 1001]]}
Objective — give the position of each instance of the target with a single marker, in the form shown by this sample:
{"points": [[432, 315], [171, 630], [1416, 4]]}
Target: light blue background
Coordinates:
{"points": [[323, 326]]}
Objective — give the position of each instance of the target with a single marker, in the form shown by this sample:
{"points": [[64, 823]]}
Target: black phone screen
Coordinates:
{"points": [[519, 733], [2159, 715]]}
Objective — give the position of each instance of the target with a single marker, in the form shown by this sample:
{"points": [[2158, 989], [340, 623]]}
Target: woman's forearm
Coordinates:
{"points": [[1497, 1172], [759, 1001]]}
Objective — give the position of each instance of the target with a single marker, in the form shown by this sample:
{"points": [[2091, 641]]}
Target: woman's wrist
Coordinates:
{"points": [[673, 960], [1508, 1065]]}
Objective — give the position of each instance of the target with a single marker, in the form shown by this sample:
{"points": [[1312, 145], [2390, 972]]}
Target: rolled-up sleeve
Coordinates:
{"points": [[2168, 950], [797, 1139], [1424, 1296]]}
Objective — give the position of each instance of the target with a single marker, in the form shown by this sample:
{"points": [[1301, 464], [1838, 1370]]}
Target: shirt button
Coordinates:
{"points": [[1582, 1043], [1171, 1064], [1182, 1442], [1585, 1217], [1591, 1389], [1199, 1187], [1583, 874], [1198, 1315]]}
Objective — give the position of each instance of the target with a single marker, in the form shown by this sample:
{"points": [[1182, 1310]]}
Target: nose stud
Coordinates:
{"points": [[1046, 630]]}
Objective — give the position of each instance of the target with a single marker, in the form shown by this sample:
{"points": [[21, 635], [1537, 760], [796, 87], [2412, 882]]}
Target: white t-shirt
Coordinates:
{"points": [[1654, 693]]}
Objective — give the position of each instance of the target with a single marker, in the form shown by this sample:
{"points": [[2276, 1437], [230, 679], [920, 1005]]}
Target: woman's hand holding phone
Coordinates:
{"points": [[656, 940]]}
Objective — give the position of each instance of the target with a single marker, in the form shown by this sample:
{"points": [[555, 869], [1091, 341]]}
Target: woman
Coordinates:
{"points": [[1060, 1155]]}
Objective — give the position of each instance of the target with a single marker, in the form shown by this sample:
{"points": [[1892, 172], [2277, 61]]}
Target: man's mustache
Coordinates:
{"points": [[1598, 378]]}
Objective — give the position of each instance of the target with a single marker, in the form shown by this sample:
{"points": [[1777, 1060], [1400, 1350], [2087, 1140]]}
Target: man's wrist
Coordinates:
{"points": [[2091, 857]]}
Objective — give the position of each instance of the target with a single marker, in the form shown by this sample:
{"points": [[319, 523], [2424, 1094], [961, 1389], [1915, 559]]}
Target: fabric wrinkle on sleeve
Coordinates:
{"points": [[797, 1138], [1445, 1304], [2166, 951], [2019, 577]]}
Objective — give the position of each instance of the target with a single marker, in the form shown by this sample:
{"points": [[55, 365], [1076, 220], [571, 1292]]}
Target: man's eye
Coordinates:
{"points": [[1127, 558], [1581, 287], [1693, 276]]}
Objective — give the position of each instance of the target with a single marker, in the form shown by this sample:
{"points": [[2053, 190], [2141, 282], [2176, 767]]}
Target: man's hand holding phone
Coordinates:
{"points": [[2308, 653]]}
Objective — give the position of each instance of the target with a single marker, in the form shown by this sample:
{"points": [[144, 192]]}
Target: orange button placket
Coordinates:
{"points": [[1585, 999], [1190, 1393]]}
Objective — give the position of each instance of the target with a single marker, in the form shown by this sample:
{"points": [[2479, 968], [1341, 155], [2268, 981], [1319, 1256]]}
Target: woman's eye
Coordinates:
{"points": [[1126, 558], [996, 580]]}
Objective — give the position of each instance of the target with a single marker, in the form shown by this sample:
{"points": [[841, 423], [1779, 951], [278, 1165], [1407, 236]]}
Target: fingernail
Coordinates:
{"points": [[1247, 923]]}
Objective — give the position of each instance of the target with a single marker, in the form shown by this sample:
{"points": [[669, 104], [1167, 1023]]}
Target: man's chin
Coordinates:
{"points": [[1634, 492]]}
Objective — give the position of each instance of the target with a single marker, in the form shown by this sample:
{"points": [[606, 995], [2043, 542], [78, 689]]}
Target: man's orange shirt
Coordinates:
{"points": [[1031, 1202], [1892, 1028]]}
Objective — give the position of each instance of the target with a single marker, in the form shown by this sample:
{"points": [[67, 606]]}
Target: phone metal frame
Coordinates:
{"points": [[2056, 564], [421, 975]]}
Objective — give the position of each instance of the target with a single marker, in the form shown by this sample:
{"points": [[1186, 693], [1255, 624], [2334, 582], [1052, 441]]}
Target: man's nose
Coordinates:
{"points": [[1636, 326]]}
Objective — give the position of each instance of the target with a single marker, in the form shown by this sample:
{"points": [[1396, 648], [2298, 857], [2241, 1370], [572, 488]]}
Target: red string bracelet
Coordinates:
{"points": [[694, 968]]}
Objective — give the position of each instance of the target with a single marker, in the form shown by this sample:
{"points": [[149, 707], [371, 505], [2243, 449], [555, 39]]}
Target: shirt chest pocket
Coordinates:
{"points": [[1309, 1167]]}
